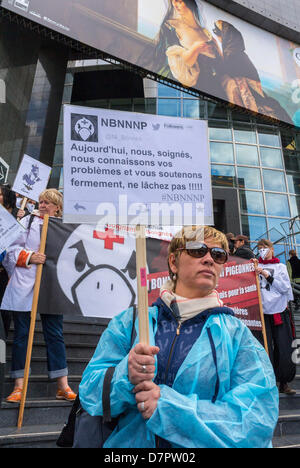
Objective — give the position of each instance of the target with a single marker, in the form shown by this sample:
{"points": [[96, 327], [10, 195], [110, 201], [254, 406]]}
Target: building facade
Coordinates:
{"points": [[255, 165]]}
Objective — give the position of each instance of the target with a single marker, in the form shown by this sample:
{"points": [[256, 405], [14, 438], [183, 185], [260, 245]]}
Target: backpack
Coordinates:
{"points": [[85, 431]]}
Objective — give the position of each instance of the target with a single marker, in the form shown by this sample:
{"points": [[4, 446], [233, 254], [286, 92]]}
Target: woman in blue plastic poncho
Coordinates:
{"points": [[204, 381]]}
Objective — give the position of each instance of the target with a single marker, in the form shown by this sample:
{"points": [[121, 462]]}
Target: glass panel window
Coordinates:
{"points": [[252, 202], [269, 139], [274, 180], [271, 157], [279, 251], [253, 226], [294, 184], [245, 136], [295, 206], [277, 205], [247, 155], [223, 134], [222, 153], [223, 175], [275, 228], [191, 108], [249, 178], [167, 91], [169, 107]]}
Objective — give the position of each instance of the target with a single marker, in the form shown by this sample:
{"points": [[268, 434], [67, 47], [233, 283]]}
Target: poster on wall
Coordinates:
{"points": [[191, 42], [129, 169]]}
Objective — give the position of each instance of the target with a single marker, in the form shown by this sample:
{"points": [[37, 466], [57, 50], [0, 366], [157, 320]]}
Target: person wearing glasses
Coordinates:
{"points": [[204, 380]]}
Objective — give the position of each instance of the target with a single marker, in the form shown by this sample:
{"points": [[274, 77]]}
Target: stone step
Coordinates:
{"points": [[37, 436], [49, 411], [289, 442], [41, 386], [72, 336], [288, 423], [76, 366], [83, 350]]}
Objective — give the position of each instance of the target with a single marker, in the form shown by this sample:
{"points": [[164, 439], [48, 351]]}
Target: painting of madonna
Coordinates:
{"points": [[186, 50]]}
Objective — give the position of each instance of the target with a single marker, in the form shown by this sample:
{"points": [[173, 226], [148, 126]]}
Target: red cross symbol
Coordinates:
{"points": [[109, 238]]}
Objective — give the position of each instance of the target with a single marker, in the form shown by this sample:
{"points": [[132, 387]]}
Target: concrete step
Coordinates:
{"points": [[76, 366], [37, 411], [37, 436], [83, 350], [41, 386]]}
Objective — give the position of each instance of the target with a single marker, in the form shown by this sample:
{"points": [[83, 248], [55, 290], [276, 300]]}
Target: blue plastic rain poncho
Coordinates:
{"points": [[244, 414]]}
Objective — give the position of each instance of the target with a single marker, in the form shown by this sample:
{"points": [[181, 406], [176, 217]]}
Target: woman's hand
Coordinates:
{"points": [[141, 363], [37, 258], [20, 214], [259, 270], [147, 396]]}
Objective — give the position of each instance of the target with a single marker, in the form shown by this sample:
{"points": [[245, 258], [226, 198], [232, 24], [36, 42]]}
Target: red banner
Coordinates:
{"points": [[237, 288]]}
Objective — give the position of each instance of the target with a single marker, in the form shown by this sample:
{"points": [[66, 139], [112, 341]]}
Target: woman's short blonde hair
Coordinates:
{"points": [[55, 197], [265, 243], [192, 234]]}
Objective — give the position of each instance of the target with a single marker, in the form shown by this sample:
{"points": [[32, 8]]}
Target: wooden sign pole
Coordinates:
{"points": [[23, 205], [35, 300], [262, 315], [142, 288]]}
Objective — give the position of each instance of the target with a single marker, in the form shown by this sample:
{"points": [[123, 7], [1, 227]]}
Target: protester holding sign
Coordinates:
{"points": [[203, 381], [8, 201], [276, 292], [21, 260]]}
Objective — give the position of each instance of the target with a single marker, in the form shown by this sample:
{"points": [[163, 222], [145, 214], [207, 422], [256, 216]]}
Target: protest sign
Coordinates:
{"points": [[238, 290], [10, 229], [32, 178], [135, 169], [92, 272], [86, 266]]}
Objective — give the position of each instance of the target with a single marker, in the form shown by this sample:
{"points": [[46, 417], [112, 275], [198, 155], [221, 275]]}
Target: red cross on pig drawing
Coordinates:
{"points": [[109, 238], [96, 271]]}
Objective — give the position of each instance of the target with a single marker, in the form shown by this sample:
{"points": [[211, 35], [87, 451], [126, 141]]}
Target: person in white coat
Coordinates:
{"points": [[21, 260], [276, 292]]}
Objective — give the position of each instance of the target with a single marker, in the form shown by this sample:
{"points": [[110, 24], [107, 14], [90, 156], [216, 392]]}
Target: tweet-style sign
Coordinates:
{"points": [[129, 169], [10, 229], [32, 178]]}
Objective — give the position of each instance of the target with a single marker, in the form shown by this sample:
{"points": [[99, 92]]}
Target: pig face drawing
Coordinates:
{"points": [[96, 271]]}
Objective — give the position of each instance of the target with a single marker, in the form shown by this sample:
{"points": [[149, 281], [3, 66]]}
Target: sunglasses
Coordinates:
{"points": [[217, 254]]}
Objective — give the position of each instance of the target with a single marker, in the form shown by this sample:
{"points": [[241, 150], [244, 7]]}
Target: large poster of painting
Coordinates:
{"points": [[190, 42]]}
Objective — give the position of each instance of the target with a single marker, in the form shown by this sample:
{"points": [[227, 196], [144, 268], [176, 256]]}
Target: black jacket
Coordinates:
{"points": [[244, 252]]}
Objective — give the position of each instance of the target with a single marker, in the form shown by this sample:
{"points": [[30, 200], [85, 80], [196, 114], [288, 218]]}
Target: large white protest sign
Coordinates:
{"points": [[128, 169], [10, 229], [32, 178]]}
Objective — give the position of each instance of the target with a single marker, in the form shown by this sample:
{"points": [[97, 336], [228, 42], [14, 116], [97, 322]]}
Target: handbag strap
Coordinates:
{"points": [[109, 375]]}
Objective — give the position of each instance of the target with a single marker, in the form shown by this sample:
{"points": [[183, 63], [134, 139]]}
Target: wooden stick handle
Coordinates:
{"points": [[35, 300], [142, 287], [23, 205], [262, 318]]}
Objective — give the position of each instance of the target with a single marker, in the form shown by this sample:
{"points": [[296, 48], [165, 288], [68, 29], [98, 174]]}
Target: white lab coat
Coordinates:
{"points": [[275, 296], [19, 291]]}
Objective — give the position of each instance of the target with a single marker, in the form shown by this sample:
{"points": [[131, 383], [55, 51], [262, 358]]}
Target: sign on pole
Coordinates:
{"points": [[135, 169], [4, 170], [32, 178], [10, 229]]}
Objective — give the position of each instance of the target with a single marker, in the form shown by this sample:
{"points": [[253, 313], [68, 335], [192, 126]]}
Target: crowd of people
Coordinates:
{"points": [[203, 368]]}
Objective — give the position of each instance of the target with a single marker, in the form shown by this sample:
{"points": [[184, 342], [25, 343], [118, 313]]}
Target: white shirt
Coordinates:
{"points": [[275, 296], [19, 291]]}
